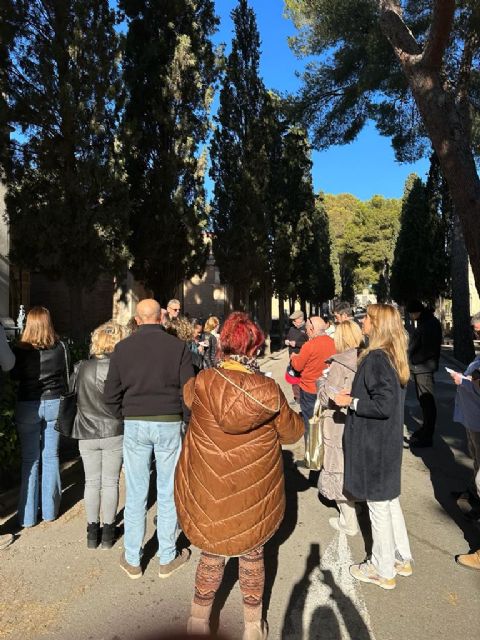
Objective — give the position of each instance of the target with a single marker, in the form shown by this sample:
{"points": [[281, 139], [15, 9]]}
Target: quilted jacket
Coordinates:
{"points": [[229, 482]]}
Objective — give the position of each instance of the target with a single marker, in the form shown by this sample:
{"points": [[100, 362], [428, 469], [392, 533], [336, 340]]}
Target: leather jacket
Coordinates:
{"points": [[42, 373], [93, 419]]}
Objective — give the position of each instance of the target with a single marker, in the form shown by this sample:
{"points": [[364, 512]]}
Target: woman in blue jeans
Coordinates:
{"points": [[41, 368]]}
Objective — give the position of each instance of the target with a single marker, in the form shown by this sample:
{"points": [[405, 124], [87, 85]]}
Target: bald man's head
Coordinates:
{"points": [[315, 326], [148, 312]]}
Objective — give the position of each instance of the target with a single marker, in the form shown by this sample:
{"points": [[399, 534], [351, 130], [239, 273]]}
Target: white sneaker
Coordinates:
{"points": [[335, 524]]}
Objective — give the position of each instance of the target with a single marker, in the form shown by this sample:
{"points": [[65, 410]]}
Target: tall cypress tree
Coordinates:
{"points": [[419, 264], [66, 196], [169, 73], [240, 166]]}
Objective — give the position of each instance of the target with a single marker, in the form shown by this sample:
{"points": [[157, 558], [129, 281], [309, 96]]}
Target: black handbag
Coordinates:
{"points": [[68, 405], [66, 413]]}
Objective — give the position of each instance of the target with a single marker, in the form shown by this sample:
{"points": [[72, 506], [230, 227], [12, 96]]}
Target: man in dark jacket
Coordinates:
{"points": [[145, 386], [296, 338], [424, 354]]}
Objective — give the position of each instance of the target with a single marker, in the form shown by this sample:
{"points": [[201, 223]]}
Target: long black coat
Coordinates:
{"points": [[373, 436]]}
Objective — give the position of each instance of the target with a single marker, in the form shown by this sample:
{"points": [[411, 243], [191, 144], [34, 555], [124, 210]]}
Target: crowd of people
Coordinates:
{"points": [[192, 398]]}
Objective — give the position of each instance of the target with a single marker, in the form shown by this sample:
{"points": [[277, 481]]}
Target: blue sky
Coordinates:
{"points": [[364, 168]]}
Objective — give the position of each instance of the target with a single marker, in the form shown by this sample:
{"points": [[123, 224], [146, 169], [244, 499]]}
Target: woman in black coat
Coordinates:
{"points": [[373, 443]]}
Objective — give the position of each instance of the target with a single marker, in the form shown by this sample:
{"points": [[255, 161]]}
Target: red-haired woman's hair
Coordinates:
{"points": [[240, 336], [39, 331]]}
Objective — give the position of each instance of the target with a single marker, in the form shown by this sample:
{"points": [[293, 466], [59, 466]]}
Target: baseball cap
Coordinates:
{"points": [[296, 315]]}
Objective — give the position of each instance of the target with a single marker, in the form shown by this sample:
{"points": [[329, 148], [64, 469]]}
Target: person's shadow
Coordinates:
{"points": [[295, 482], [446, 473], [324, 623]]}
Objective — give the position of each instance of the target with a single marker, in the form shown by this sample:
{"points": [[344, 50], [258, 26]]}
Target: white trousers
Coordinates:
{"points": [[390, 538]]}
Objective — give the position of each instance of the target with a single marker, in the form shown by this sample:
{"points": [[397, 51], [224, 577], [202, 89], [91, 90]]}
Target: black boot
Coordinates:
{"points": [[108, 535], [93, 532]]}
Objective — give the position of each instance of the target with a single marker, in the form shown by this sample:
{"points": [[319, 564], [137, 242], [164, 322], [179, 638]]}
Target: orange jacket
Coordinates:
{"points": [[310, 362], [229, 483]]}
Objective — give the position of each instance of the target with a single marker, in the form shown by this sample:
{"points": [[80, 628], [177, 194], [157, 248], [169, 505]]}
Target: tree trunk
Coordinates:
{"points": [[447, 130], [281, 319], [265, 313], [462, 336]]}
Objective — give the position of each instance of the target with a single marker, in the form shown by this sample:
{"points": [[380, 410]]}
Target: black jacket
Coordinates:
{"points": [[299, 336], [147, 373], [373, 435], [94, 419], [425, 343], [42, 373]]}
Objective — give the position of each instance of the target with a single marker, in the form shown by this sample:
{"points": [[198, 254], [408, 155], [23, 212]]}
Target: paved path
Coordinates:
{"points": [[53, 587]]}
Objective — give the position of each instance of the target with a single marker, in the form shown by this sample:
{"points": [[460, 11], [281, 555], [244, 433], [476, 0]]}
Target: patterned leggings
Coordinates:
{"points": [[251, 574]]}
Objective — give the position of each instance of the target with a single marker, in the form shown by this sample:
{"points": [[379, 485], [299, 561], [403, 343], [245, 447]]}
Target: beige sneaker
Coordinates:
{"points": [[403, 568], [366, 572], [132, 572], [198, 627], [256, 630], [469, 560], [166, 570]]}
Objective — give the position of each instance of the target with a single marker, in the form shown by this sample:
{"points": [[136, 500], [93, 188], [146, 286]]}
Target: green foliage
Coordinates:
{"points": [[313, 274], [67, 197], [9, 442], [421, 263], [364, 239], [239, 156], [356, 76], [169, 73]]}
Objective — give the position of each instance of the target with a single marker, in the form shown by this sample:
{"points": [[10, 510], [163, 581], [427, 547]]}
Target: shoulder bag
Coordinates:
{"points": [[68, 403], [314, 449]]}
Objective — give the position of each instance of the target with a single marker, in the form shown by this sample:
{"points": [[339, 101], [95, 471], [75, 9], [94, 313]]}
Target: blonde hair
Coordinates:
{"points": [[180, 327], [348, 335], [39, 331], [388, 334], [211, 323], [105, 337]]}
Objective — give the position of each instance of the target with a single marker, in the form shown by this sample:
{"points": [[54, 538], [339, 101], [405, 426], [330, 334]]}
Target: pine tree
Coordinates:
{"points": [[169, 74], [66, 196], [239, 169]]}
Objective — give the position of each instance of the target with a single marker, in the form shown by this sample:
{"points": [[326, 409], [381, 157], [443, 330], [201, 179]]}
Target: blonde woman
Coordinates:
{"points": [[211, 342], [341, 372], [373, 442], [41, 367], [100, 436]]}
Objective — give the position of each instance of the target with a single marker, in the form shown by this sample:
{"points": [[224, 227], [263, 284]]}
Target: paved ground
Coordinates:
{"points": [[53, 587]]}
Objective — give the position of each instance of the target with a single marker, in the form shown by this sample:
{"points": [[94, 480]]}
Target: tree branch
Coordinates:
{"points": [[399, 35], [442, 21]]}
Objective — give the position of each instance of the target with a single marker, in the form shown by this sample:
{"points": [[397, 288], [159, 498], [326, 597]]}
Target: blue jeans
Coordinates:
{"points": [[39, 442], [141, 439], [307, 405]]}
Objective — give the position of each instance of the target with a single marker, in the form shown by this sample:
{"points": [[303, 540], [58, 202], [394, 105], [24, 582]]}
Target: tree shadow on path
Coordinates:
{"points": [[447, 474]]}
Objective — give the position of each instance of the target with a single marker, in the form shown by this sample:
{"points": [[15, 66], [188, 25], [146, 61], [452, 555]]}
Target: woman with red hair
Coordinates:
{"points": [[229, 483]]}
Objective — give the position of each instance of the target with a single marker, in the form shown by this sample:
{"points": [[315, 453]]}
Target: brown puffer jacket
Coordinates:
{"points": [[229, 483]]}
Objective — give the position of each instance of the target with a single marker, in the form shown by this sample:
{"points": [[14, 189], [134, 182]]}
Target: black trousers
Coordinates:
{"points": [[424, 385]]}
